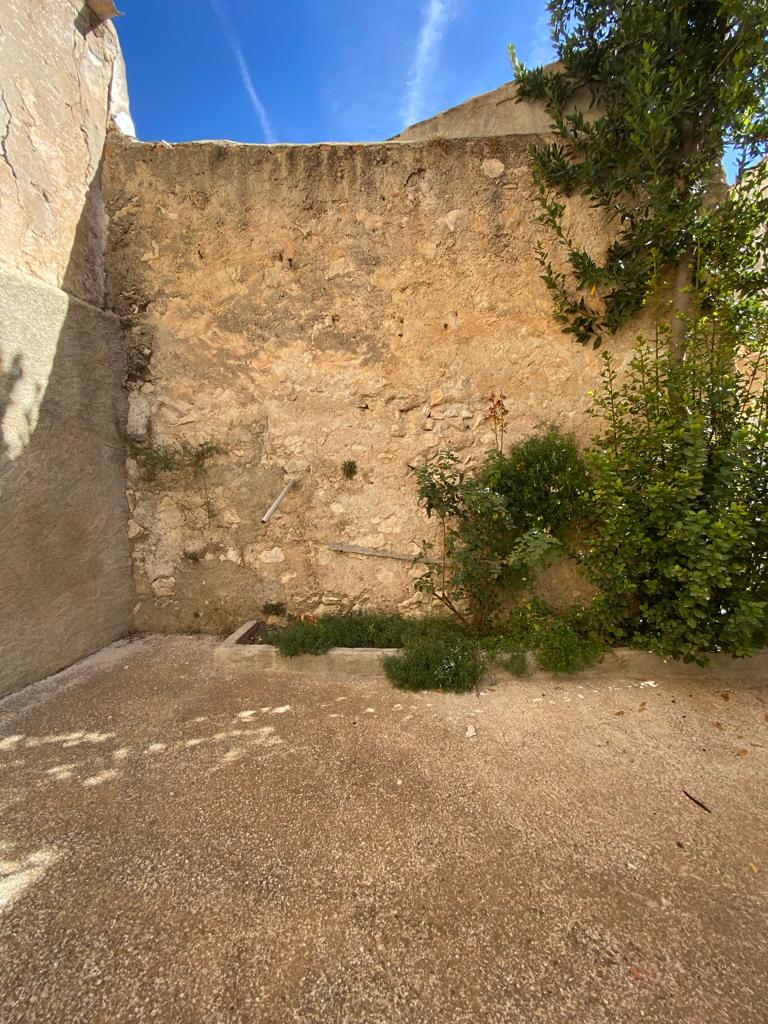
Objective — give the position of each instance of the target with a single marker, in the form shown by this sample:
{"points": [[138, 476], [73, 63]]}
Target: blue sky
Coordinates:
{"points": [[315, 70]]}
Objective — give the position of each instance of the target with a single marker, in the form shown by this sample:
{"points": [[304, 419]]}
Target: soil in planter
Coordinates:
{"points": [[259, 633]]}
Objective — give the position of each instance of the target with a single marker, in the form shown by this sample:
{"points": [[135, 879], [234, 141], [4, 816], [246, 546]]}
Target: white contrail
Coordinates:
{"points": [[221, 11], [437, 15]]}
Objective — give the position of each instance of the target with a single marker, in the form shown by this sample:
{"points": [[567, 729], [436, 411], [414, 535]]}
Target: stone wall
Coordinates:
{"points": [[65, 582], [301, 306]]}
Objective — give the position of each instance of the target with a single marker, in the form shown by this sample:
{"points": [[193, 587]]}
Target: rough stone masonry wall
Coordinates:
{"points": [[306, 305], [65, 581]]}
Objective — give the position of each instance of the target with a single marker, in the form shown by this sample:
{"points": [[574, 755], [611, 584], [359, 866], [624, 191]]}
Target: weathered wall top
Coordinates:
{"points": [[492, 113]]}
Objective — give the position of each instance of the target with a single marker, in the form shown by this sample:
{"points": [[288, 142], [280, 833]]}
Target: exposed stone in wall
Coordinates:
{"points": [[307, 305]]}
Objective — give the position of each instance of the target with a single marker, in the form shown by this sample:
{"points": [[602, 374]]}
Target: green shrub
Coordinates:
{"points": [[514, 662], [565, 642], [542, 479], [681, 497], [561, 649], [498, 526], [437, 660]]}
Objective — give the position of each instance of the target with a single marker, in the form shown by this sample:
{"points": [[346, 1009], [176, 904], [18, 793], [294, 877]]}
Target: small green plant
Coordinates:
{"points": [[497, 416], [349, 469], [276, 608], [437, 661], [155, 458], [561, 649], [544, 481]]}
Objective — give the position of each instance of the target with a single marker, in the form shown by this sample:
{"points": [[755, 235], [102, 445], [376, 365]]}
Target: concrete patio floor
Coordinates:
{"points": [[183, 841]]}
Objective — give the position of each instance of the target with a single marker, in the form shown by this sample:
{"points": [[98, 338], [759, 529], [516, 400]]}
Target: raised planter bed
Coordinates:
{"points": [[338, 663], [366, 663]]}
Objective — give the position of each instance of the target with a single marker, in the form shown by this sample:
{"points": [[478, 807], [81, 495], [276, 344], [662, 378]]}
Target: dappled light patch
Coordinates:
{"points": [[106, 776], [19, 874]]}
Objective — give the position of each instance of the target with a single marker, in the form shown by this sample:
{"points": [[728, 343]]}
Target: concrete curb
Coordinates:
{"points": [[366, 663], [339, 663]]}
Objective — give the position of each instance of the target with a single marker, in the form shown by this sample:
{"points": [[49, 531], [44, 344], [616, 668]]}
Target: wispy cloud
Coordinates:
{"points": [[436, 17], [542, 51], [221, 10]]}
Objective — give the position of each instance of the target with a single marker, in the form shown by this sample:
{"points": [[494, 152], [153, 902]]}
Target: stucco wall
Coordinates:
{"points": [[65, 585], [65, 582], [306, 305]]}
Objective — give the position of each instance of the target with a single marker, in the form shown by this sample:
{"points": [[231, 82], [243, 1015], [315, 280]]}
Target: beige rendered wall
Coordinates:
{"points": [[304, 305], [65, 584]]}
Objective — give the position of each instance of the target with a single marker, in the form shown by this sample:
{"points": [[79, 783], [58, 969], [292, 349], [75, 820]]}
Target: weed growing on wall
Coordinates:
{"points": [[179, 458], [155, 459], [274, 608]]}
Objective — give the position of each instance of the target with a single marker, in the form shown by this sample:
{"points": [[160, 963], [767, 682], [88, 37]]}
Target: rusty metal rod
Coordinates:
{"points": [[355, 549]]}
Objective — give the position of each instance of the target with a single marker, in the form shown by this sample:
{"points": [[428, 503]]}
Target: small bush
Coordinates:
{"points": [[561, 649], [568, 642], [437, 660], [542, 479], [349, 469], [500, 525]]}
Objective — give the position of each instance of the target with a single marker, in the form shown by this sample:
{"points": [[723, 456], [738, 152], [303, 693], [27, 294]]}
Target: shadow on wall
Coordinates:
{"points": [[65, 584]]}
